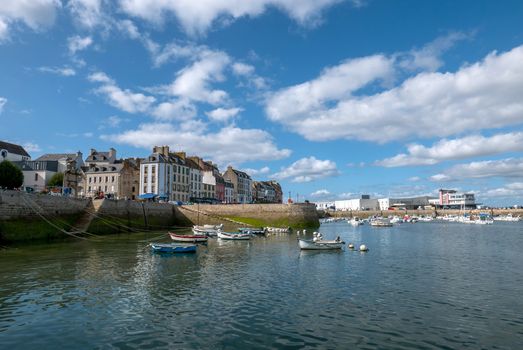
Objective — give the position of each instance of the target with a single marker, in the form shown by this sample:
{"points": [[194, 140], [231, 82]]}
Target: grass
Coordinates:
{"points": [[35, 229], [275, 223]]}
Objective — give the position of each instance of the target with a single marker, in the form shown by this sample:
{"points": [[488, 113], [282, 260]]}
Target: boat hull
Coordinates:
{"points": [[188, 238], [320, 245], [173, 248], [234, 236]]}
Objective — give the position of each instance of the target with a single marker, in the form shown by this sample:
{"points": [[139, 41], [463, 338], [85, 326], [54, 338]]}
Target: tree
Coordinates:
{"points": [[10, 176], [56, 180]]}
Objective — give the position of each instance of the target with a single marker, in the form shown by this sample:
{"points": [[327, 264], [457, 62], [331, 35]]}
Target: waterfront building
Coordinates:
{"points": [[13, 152], [363, 203], [106, 176], [37, 173], [242, 184], [70, 164], [408, 203], [156, 175], [195, 178], [266, 192], [456, 200], [181, 187], [229, 192]]}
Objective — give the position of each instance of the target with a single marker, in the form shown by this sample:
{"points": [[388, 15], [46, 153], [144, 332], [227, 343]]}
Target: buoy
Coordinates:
{"points": [[363, 248], [351, 246]]}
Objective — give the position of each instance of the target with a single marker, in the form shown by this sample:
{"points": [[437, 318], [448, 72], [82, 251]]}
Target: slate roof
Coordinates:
{"points": [[56, 156], [12, 148]]}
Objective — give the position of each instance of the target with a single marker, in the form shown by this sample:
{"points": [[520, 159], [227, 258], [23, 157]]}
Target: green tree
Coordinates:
{"points": [[10, 176], [56, 180]]}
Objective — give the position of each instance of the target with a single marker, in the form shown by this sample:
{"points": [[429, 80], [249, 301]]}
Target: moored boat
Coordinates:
{"points": [[173, 248], [188, 238], [202, 230], [278, 229], [306, 244], [233, 236], [355, 222], [381, 222]]}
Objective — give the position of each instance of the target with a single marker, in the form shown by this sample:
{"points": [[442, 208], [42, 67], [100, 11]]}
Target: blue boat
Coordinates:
{"points": [[173, 248]]}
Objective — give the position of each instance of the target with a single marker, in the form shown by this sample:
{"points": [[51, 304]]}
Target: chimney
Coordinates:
{"points": [[93, 151], [112, 153]]}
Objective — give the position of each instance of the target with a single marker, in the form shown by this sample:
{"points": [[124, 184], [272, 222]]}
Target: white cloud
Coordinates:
{"points": [[223, 114], [127, 27], [31, 147], [174, 51], [507, 168], [308, 169], [511, 190], [77, 43], [429, 56], [174, 110], [36, 14], [320, 193], [466, 147], [256, 172], [64, 71], [239, 68], [88, 13], [414, 178], [124, 100], [196, 17], [193, 82], [483, 95], [3, 101], [227, 145]]}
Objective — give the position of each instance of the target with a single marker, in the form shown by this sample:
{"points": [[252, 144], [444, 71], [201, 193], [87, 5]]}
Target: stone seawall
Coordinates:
{"points": [[42, 217]]}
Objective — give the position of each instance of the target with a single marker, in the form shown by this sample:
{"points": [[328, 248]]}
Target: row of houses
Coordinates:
{"points": [[446, 199], [163, 175]]}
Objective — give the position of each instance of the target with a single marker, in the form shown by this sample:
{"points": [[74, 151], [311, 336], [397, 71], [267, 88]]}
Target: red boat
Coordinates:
{"points": [[188, 238]]}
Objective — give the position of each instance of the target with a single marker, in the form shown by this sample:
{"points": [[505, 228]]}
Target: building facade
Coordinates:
{"points": [[13, 152], [363, 203], [456, 200], [229, 192], [37, 173], [242, 184], [266, 192], [409, 203]]}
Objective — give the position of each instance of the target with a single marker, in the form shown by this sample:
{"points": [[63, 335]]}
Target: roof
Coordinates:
{"points": [[56, 156], [33, 165], [97, 157], [12, 148], [109, 168]]}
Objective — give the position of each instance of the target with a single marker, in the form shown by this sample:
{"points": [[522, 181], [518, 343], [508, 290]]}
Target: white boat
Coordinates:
{"points": [[278, 229], [202, 230], [214, 227], [381, 222], [233, 236], [320, 244], [355, 222], [188, 238], [508, 217]]}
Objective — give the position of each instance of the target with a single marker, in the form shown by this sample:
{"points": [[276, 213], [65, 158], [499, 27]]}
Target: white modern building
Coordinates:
{"points": [[455, 199], [324, 205], [156, 175], [404, 203], [363, 203]]}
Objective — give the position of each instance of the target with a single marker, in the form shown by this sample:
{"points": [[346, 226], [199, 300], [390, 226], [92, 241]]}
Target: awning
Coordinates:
{"points": [[147, 196]]}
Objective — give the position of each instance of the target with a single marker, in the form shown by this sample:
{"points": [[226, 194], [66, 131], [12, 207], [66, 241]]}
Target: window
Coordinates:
{"points": [[107, 179], [94, 179], [90, 179], [99, 179], [89, 189], [112, 178], [105, 189], [36, 176]]}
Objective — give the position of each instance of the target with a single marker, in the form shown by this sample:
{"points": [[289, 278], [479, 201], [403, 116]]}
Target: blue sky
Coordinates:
{"points": [[333, 98]]}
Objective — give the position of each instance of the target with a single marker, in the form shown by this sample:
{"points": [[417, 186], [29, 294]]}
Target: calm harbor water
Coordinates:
{"points": [[421, 286]]}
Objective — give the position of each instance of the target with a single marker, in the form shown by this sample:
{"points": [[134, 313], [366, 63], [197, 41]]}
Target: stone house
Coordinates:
{"points": [[242, 184], [12, 152]]}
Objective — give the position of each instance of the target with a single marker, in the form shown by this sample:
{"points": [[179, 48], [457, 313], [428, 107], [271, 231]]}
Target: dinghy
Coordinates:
{"points": [[320, 244], [233, 236], [188, 238], [173, 248]]}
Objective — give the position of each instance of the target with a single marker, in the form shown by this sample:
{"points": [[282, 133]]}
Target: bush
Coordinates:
{"points": [[10, 176], [57, 180]]}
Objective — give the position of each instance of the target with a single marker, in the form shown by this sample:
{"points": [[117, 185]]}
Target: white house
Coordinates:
{"points": [[363, 203], [12, 152]]}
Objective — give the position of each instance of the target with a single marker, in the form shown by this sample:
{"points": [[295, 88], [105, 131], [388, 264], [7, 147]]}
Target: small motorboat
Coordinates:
{"points": [[214, 227], [355, 222], [173, 248], [278, 229], [320, 244], [233, 236], [188, 238]]}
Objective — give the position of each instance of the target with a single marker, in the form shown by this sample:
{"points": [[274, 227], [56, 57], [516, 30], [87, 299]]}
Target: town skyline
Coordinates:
{"points": [[333, 99]]}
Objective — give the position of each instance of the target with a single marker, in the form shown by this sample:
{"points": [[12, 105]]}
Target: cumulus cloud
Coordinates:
{"points": [[36, 14], [196, 17], [466, 147], [227, 145], [31, 147], [3, 101], [244, 69], [63, 71], [122, 99], [307, 170], [506, 168], [478, 96], [320, 193], [77, 43], [223, 114], [193, 82], [512, 190], [256, 172], [174, 110], [88, 13]]}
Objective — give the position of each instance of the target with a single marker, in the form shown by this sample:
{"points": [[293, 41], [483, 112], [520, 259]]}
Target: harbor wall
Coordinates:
{"points": [[26, 216]]}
